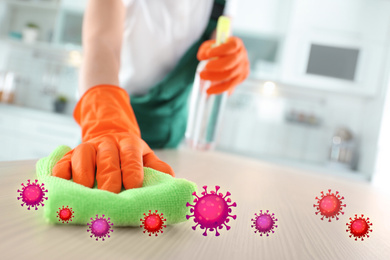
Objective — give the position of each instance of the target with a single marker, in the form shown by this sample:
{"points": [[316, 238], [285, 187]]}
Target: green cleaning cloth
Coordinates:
{"points": [[159, 191]]}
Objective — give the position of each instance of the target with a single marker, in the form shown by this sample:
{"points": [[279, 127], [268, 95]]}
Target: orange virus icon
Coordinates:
{"points": [[329, 205], [211, 211], [153, 223], [359, 227], [65, 214]]}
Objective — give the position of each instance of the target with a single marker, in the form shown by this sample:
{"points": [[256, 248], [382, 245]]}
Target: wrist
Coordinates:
{"points": [[105, 108]]}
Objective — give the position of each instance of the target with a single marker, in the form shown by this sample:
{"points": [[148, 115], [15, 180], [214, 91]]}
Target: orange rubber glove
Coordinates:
{"points": [[111, 143], [230, 68]]}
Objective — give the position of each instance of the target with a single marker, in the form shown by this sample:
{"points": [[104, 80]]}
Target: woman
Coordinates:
{"points": [[147, 50]]}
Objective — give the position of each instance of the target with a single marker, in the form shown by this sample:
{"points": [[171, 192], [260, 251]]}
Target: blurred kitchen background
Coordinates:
{"points": [[315, 97]]}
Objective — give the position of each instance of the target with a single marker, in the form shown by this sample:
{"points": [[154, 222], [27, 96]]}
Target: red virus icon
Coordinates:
{"points": [[211, 211], [100, 227], [65, 214], [359, 227], [32, 194], [329, 205], [153, 223], [264, 223]]}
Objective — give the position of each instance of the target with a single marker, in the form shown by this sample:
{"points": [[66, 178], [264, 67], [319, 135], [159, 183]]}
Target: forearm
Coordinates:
{"points": [[100, 66], [102, 39]]}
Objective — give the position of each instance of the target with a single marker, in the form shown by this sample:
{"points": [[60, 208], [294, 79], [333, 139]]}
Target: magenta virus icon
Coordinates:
{"points": [[153, 223], [264, 223], [100, 227], [32, 194], [211, 211], [329, 205]]}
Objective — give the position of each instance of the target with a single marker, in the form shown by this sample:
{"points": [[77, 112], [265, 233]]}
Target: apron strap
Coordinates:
{"points": [[218, 8]]}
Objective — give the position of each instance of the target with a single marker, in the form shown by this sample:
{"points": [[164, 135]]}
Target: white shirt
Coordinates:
{"points": [[157, 33]]}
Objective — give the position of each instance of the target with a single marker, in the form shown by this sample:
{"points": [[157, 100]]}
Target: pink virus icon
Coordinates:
{"points": [[153, 223], [359, 227], [100, 227], [264, 223], [65, 214], [329, 205], [211, 211], [32, 194]]}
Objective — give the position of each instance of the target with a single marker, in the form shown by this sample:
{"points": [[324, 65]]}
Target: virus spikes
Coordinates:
{"points": [[212, 229], [329, 205], [65, 214], [100, 227], [359, 227], [32, 194], [211, 211], [153, 223], [264, 223]]}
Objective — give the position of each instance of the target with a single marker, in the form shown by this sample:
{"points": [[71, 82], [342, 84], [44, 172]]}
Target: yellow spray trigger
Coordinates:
{"points": [[223, 30]]}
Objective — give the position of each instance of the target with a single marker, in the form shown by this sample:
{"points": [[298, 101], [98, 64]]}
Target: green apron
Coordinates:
{"points": [[162, 113]]}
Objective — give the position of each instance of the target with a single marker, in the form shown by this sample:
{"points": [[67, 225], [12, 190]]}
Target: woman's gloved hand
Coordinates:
{"points": [[228, 64], [111, 143]]}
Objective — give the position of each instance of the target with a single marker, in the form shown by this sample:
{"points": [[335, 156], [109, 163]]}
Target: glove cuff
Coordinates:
{"points": [[105, 109]]}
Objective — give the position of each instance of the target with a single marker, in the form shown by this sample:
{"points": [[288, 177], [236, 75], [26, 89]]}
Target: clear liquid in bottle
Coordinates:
{"points": [[205, 114]]}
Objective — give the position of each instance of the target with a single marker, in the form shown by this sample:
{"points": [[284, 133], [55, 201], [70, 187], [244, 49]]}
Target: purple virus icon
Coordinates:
{"points": [[264, 223], [100, 227], [211, 211], [32, 194]]}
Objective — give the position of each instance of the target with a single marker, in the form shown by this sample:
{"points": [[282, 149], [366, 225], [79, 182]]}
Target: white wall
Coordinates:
{"points": [[3, 55], [381, 177], [262, 16], [75, 5], [3, 49]]}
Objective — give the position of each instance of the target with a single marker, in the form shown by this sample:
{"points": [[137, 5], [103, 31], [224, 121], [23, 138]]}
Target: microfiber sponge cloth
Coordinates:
{"points": [[159, 191]]}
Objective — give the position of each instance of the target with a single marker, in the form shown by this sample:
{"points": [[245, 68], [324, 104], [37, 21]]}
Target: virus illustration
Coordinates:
{"points": [[65, 214], [211, 211], [153, 223], [359, 227], [100, 227], [32, 194], [264, 223], [329, 205]]}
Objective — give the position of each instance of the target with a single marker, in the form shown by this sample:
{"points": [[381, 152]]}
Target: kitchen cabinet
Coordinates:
{"points": [[323, 34], [46, 68], [69, 22], [20, 13], [28, 133], [59, 22], [258, 125]]}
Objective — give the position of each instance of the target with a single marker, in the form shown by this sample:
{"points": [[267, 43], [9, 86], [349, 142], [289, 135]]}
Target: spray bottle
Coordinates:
{"points": [[205, 112]]}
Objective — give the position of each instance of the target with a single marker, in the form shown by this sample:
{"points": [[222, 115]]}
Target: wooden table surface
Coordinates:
{"points": [[254, 185]]}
